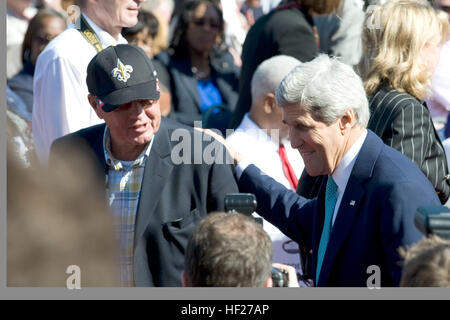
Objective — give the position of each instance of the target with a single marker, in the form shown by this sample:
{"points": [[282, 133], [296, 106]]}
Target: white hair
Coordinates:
{"points": [[269, 74], [326, 88]]}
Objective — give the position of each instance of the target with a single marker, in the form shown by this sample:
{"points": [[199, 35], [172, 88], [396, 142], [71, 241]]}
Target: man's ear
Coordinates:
{"points": [[269, 103], [95, 105], [347, 121]]}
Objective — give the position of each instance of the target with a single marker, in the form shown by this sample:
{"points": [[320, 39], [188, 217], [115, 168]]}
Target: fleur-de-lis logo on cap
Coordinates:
{"points": [[122, 72]]}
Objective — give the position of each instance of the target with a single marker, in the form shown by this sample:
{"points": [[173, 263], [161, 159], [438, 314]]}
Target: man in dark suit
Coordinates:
{"points": [[365, 208], [156, 195]]}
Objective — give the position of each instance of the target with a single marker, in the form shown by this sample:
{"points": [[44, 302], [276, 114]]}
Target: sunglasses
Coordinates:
{"points": [[201, 22]]}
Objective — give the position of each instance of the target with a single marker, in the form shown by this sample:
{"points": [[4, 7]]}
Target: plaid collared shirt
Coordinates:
{"points": [[124, 181]]}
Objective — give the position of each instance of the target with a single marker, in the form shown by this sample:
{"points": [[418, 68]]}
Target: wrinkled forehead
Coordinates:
{"points": [[294, 113]]}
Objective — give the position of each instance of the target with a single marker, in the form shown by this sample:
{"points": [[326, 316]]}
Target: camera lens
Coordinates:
{"points": [[280, 278]]}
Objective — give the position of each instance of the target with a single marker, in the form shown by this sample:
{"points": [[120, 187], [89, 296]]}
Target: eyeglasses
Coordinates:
{"points": [[201, 22]]}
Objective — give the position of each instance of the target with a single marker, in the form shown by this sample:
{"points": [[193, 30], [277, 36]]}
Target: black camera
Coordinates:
{"points": [[433, 220], [244, 203], [280, 278]]}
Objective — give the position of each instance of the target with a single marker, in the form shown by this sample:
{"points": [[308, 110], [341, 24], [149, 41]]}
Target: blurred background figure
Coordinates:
{"points": [[289, 30], [439, 101], [230, 250], [236, 27], [203, 77], [340, 33], [427, 264], [50, 4], [58, 5], [252, 10], [45, 26], [50, 229], [163, 11], [269, 5], [263, 138], [18, 15], [18, 129]]}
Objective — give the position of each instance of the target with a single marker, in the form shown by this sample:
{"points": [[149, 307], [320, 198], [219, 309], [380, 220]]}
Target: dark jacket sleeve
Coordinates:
{"points": [[222, 182], [412, 133], [286, 210]]}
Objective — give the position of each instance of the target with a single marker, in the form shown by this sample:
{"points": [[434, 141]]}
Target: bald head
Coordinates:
{"points": [[264, 111]]}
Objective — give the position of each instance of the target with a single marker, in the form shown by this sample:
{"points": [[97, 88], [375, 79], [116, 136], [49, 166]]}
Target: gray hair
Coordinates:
{"points": [[326, 88], [269, 74]]}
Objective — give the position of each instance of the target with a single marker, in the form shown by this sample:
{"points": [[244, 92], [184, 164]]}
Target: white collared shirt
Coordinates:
{"points": [[60, 104], [258, 148], [343, 170]]}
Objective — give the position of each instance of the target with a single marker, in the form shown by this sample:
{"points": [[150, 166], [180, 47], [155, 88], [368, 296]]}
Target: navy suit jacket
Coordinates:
{"points": [[174, 197], [375, 217]]}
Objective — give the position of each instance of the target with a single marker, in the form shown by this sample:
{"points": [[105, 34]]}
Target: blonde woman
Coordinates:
{"points": [[401, 43]]}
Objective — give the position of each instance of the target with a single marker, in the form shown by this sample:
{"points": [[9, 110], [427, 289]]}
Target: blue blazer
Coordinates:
{"points": [[375, 217]]}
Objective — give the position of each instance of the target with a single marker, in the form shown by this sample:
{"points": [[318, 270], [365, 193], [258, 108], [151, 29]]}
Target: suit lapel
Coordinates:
{"points": [[156, 173], [349, 208], [97, 145]]}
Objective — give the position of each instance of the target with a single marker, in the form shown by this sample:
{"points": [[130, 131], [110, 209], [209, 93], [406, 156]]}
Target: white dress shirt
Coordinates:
{"points": [[343, 170], [258, 148], [60, 104]]}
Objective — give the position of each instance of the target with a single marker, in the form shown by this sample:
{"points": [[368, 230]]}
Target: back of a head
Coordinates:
{"points": [[326, 88], [269, 74], [427, 264], [393, 37], [228, 250], [58, 218]]}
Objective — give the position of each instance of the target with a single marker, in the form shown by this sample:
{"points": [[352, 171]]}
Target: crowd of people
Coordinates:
{"points": [[145, 114]]}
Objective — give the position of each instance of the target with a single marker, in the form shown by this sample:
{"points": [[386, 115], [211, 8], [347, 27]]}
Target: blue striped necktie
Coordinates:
{"points": [[330, 203]]}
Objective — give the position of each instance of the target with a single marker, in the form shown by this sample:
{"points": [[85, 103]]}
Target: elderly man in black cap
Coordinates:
{"points": [[154, 199]]}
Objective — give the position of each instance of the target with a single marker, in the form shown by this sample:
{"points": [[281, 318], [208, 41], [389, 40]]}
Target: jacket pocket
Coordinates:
{"points": [[178, 232]]}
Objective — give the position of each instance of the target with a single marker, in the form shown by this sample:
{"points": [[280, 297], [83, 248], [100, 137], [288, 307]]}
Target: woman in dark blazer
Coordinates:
{"points": [[398, 62], [201, 71]]}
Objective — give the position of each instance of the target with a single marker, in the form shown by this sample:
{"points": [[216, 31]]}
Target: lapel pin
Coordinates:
{"points": [[352, 203]]}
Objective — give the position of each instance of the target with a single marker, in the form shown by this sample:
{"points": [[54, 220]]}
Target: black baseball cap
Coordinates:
{"points": [[121, 74]]}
